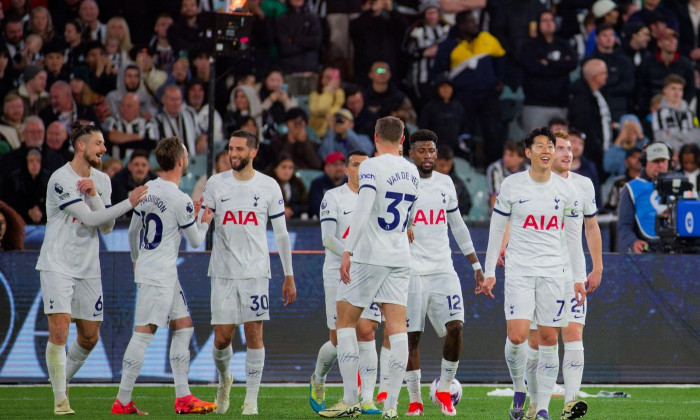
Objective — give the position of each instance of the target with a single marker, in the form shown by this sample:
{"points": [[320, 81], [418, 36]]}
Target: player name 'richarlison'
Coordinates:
{"points": [[156, 201], [402, 176]]}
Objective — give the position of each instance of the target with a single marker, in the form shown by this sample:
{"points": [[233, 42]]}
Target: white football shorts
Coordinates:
{"points": [[62, 294], [539, 298], [331, 280], [439, 296], [159, 305], [237, 301], [375, 283]]}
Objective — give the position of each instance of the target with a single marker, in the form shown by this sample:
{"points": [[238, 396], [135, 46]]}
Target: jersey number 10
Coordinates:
{"points": [[146, 230]]}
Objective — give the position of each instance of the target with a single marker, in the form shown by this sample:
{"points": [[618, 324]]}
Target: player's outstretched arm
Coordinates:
{"points": [[82, 212], [197, 231], [87, 187], [595, 247], [289, 290]]}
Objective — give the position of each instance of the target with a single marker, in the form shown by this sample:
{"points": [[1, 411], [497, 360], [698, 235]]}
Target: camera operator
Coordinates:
{"points": [[342, 138], [639, 204]]}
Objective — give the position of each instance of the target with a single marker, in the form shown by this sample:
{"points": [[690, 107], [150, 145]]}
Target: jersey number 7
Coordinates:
{"points": [[396, 198]]}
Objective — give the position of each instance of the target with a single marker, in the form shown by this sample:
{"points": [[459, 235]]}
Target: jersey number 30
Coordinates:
{"points": [[396, 198], [151, 223]]}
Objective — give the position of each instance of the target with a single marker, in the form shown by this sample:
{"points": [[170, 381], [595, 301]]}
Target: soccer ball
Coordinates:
{"points": [[455, 390]]}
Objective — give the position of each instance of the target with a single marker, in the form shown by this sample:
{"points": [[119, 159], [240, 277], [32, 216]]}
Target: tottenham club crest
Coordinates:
{"points": [[58, 188], [189, 208]]}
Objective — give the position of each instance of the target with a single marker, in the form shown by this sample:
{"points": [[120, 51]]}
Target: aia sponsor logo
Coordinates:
{"points": [[541, 223], [431, 218], [240, 218]]}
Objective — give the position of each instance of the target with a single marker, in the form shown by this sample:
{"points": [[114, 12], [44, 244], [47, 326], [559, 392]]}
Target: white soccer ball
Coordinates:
{"points": [[455, 391]]}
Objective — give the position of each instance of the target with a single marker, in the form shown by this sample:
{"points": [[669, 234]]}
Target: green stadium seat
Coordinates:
{"points": [[308, 175]]}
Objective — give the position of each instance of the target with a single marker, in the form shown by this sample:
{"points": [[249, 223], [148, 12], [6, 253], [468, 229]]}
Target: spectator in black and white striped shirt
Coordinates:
{"points": [[127, 130], [180, 121], [674, 123]]}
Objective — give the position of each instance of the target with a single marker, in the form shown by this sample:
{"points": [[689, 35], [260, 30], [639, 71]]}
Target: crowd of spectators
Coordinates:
{"points": [[316, 74]]}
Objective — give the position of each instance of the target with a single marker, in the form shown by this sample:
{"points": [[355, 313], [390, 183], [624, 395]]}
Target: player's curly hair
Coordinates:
{"points": [[78, 130], [14, 232], [423, 135], [530, 137]]}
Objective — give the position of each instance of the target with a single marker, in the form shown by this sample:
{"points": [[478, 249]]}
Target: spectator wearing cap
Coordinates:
{"points": [[54, 62], [630, 136], [363, 119], [128, 130], [25, 188], [11, 123], [619, 88], [633, 168], [421, 45], [636, 232], [444, 115], [163, 54], [89, 13], [589, 111], [195, 97], [296, 142], [56, 140], [325, 100], [604, 11], [547, 62], [342, 138], [298, 33], [635, 42], [33, 90], [667, 60], [654, 7], [129, 80], [64, 108], [674, 123], [333, 176], [85, 96], [384, 98]]}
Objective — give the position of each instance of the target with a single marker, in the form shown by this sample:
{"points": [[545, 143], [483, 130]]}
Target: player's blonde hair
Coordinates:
{"points": [[561, 134]]}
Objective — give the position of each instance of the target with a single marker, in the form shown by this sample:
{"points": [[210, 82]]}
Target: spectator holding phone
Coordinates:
{"points": [[325, 101], [274, 97]]}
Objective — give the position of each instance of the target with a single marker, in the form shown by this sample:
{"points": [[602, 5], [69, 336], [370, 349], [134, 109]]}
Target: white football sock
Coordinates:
{"points": [[384, 356], [448, 371], [180, 360], [516, 359], [533, 358], [254, 363], [397, 368], [75, 359], [222, 360], [131, 364], [547, 371], [327, 356], [348, 361], [56, 365], [368, 369], [412, 379], [572, 369]]}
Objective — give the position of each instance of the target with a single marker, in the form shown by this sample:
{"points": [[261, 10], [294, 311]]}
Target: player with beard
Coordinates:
{"points": [[434, 289], [535, 202], [243, 200], [77, 205], [155, 233], [572, 334]]}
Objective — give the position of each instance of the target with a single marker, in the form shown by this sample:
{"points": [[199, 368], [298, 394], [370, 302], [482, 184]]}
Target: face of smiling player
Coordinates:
{"points": [[239, 154], [94, 149], [541, 153], [562, 156]]}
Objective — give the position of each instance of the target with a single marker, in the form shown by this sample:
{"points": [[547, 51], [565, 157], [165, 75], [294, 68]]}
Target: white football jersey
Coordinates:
{"points": [[161, 215], [536, 211], [430, 250], [338, 204], [383, 241], [241, 211], [586, 207], [70, 247]]}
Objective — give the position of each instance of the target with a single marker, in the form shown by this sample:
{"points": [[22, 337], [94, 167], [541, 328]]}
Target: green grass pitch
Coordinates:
{"points": [[284, 402]]}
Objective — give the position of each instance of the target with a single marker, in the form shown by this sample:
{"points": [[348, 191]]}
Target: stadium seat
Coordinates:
{"points": [[476, 184], [198, 165], [462, 167], [308, 175]]}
